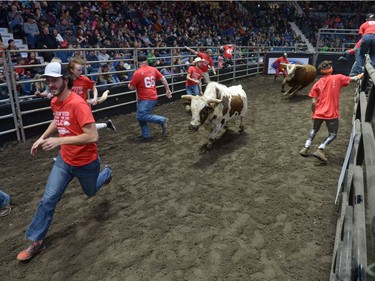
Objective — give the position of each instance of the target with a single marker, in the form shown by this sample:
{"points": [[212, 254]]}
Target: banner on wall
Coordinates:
{"points": [[271, 70]]}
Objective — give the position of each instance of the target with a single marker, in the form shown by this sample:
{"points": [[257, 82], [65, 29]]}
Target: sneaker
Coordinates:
{"points": [[4, 211], [319, 154], [110, 125], [304, 151], [342, 59], [164, 127], [142, 139], [33, 249]]}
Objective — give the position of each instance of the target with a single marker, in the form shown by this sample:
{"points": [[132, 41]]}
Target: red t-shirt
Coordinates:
{"points": [[195, 73], [144, 80], [82, 85], [208, 61], [367, 27], [327, 92], [70, 116], [277, 63], [228, 51]]}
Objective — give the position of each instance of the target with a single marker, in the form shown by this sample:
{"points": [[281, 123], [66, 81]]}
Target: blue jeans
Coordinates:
{"points": [[353, 71], [144, 115], [90, 178], [193, 90], [4, 199], [367, 46]]}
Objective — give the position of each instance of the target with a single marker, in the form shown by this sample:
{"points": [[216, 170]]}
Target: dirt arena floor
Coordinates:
{"points": [[250, 209]]}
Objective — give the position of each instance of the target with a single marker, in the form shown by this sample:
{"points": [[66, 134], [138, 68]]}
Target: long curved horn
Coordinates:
{"points": [[103, 97], [187, 97], [284, 64], [216, 101], [299, 65]]}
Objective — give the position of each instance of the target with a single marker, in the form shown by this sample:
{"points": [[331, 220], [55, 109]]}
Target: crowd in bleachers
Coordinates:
{"points": [[335, 15], [160, 24], [147, 24]]}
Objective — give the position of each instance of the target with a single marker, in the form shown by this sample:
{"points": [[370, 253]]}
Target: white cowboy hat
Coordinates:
{"points": [[127, 66], [198, 59]]}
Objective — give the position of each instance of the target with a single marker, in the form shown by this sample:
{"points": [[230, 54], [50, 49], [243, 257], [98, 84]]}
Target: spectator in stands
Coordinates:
{"points": [[2, 48], [220, 62], [68, 36], [103, 56], [325, 95], [105, 77], [46, 41], [5, 207], [51, 17], [11, 47], [81, 39], [167, 71], [22, 72], [26, 12], [122, 67], [32, 60], [367, 31], [63, 26], [144, 81], [92, 40], [38, 15], [16, 21], [39, 87], [31, 30], [42, 24], [277, 65], [61, 42], [4, 9], [151, 57], [92, 67], [146, 40], [178, 67], [208, 62]]}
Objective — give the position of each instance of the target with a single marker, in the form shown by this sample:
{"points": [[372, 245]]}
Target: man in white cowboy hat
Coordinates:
{"points": [[207, 63], [193, 79]]}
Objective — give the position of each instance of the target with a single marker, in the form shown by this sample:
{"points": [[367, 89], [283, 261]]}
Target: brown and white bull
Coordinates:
{"points": [[218, 105], [298, 77]]}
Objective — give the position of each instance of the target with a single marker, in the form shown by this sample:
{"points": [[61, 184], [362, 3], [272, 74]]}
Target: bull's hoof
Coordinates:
{"points": [[283, 91]]}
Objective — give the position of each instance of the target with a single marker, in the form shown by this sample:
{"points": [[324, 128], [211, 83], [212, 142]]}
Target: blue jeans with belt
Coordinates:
{"points": [[4, 199], [90, 178], [144, 116], [367, 46]]}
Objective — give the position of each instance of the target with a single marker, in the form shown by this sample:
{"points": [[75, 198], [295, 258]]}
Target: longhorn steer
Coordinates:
{"points": [[218, 105], [298, 77]]}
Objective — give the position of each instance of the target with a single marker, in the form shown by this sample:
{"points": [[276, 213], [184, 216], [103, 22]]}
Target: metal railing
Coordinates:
{"points": [[28, 111]]}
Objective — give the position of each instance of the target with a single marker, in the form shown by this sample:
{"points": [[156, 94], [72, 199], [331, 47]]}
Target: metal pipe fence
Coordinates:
{"points": [[27, 111]]}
